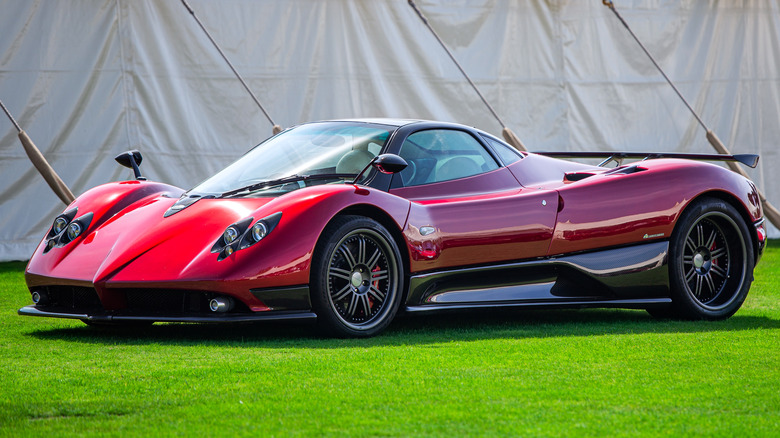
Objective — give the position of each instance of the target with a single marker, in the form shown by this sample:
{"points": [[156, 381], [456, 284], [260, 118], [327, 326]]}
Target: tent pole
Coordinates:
{"points": [[276, 128], [44, 168]]}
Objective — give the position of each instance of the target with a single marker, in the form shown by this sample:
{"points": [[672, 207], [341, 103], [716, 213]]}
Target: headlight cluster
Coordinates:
{"points": [[244, 234], [67, 228]]}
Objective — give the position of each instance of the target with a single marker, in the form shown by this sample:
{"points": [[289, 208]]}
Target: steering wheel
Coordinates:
{"points": [[411, 168]]}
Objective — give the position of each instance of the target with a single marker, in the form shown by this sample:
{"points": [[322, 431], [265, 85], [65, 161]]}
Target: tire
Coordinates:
{"points": [[710, 262], [356, 278]]}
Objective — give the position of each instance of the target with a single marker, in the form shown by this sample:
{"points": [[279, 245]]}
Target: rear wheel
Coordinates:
{"points": [[710, 262], [356, 278]]}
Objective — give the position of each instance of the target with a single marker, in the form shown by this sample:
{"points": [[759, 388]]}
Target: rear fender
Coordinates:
{"points": [[749, 208], [622, 209]]}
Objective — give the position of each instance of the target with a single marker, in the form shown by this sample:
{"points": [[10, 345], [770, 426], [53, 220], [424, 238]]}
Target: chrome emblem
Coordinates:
{"points": [[427, 230]]}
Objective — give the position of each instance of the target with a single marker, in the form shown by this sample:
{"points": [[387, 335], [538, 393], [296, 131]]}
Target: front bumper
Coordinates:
{"points": [[166, 305], [207, 318]]}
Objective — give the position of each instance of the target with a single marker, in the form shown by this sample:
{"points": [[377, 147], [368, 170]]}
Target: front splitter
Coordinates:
{"points": [[271, 316]]}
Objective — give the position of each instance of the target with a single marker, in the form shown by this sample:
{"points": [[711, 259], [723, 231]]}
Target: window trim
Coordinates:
{"points": [[487, 139], [397, 181]]}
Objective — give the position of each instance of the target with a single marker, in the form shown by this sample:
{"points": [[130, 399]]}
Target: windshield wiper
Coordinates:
{"points": [[287, 179]]}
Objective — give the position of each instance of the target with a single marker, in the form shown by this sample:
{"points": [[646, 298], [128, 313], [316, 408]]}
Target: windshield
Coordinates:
{"points": [[334, 150]]}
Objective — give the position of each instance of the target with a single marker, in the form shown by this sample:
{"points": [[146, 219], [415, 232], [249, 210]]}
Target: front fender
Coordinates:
{"points": [[184, 260], [284, 256]]}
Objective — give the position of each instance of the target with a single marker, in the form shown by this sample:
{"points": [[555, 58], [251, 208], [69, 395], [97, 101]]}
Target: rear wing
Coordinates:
{"points": [[750, 160]]}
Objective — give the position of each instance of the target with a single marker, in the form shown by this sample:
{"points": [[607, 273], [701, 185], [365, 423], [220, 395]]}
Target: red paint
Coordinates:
{"points": [[619, 209], [507, 223], [136, 246], [521, 212]]}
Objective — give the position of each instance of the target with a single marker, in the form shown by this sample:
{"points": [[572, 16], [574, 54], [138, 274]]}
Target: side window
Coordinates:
{"points": [[507, 153], [438, 155]]}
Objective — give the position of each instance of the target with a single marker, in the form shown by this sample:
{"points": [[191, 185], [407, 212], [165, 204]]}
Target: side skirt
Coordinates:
{"points": [[633, 277]]}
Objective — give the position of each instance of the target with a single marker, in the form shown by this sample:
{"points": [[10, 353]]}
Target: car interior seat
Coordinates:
{"points": [[355, 160], [457, 167]]}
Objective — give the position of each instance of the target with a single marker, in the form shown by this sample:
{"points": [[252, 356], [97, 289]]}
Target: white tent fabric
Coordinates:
{"points": [[88, 79]]}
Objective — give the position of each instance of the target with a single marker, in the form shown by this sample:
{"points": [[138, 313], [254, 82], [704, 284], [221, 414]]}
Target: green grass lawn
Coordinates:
{"points": [[530, 373]]}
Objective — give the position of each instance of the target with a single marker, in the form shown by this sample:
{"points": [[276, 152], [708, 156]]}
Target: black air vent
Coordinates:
{"points": [[625, 170], [70, 297], [577, 176]]}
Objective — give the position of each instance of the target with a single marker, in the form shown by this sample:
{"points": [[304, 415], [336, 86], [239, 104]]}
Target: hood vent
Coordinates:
{"points": [[184, 202]]}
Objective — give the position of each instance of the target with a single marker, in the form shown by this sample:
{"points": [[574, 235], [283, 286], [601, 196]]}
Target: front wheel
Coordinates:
{"points": [[356, 278], [711, 261]]}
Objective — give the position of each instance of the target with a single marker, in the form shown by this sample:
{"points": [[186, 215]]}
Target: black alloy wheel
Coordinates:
{"points": [[356, 278], [711, 261]]}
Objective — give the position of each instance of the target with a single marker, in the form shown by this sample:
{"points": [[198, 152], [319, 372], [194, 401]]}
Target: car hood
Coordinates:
{"points": [[138, 244]]}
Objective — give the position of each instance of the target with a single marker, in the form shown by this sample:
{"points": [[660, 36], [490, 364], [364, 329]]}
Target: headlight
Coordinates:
{"points": [[59, 225], [74, 229], [259, 230], [230, 235], [65, 229], [241, 235]]}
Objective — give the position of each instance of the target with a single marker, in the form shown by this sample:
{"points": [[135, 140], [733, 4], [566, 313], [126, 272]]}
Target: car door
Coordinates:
{"points": [[467, 207]]}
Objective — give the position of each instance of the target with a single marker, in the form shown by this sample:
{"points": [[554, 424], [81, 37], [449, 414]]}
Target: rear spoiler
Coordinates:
{"points": [[750, 160]]}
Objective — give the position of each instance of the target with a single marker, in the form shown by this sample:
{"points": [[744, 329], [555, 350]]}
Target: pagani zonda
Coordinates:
{"points": [[347, 222]]}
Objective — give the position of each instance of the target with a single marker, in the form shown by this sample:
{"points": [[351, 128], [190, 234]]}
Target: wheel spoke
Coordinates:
{"points": [[366, 305], [718, 270], [689, 275], [340, 273], [378, 275], [376, 293], [348, 256], [700, 234], [717, 253], [697, 292], [353, 302], [710, 284], [690, 245], [361, 258], [340, 295], [711, 240], [374, 259]]}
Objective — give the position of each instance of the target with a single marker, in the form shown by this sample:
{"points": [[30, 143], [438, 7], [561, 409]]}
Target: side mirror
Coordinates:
{"points": [[389, 163], [131, 159], [385, 163]]}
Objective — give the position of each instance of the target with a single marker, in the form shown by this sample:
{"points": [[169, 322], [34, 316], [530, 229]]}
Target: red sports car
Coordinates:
{"points": [[346, 222]]}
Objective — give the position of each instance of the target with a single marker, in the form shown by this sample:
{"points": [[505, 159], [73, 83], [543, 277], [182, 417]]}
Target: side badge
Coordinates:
{"points": [[426, 230], [652, 236]]}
